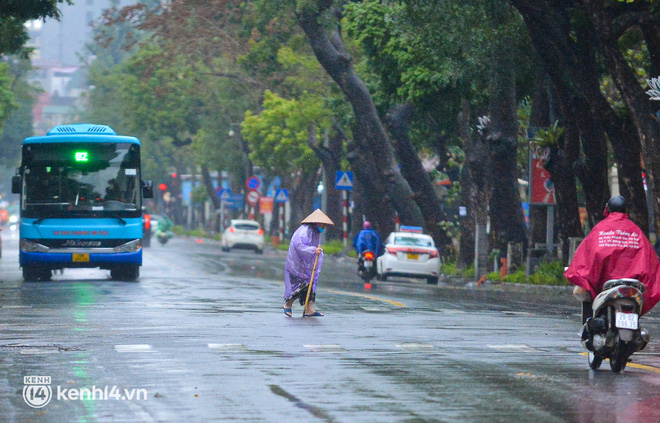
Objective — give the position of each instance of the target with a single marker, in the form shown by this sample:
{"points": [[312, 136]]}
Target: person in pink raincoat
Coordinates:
{"points": [[304, 249], [615, 248]]}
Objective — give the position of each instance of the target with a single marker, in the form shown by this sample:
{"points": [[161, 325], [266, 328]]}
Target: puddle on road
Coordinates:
{"points": [[36, 349], [312, 409], [244, 266]]}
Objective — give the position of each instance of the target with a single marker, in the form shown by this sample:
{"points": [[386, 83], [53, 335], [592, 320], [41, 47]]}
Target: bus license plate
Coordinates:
{"points": [[81, 257], [413, 256], [627, 320]]}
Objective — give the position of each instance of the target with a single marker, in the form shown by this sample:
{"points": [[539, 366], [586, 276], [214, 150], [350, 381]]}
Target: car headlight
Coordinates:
{"points": [[129, 247], [33, 247]]}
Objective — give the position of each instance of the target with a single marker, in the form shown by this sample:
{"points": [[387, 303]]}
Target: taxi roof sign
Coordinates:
{"points": [[413, 229]]}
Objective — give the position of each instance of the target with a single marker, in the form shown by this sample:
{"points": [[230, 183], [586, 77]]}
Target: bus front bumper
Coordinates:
{"points": [[62, 260]]}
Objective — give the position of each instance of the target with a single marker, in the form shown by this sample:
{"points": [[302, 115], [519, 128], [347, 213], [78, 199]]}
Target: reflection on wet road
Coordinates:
{"points": [[204, 334]]}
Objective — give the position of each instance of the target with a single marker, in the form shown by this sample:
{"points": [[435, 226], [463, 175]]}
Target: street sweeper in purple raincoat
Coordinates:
{"points": [[305, 255]]}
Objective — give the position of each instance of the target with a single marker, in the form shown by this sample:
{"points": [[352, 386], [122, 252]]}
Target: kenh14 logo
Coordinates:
{"points": [[37, 392]]}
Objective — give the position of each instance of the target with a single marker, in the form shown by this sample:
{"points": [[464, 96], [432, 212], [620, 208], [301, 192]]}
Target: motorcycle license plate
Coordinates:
{"points": [[627, 320], [80, 257], [368, 264], [413, 256]]}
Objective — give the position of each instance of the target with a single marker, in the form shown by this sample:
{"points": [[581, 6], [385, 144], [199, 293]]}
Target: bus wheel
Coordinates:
{"points": [[33, 274], [127, 272]]}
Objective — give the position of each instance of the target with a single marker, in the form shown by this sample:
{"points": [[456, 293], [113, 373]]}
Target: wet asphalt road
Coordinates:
{"points": [[203, 338]]}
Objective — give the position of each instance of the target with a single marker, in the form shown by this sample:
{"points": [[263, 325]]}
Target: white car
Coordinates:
{"points": [[411, 255], [243, 234]]}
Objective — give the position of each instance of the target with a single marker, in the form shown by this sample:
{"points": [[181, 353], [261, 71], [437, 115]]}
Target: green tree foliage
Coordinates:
{"points": [[18, 96], [14, 13], [6, 95], [278, 135]]}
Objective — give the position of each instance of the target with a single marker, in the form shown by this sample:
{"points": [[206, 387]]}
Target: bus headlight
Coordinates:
{"points": [[33, 247], [129, 247]]}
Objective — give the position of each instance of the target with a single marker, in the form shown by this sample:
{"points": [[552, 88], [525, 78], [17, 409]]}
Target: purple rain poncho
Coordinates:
{"points": [[300, 261]]}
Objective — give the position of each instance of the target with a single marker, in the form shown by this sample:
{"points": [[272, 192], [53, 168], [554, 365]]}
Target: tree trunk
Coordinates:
{"points": [[385, 186], [652, 39], [416, 175], [570, 61], [302, 197], [331, 160], [643, 116], [551, 34], [507, 221], [561, 162], [475, 186]]}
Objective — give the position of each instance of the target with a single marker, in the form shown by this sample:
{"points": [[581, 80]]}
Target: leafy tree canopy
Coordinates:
{"points": [[14, 13], [278, 135]]}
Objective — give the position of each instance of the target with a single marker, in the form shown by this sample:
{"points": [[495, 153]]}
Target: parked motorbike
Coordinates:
{"points": [[367, 265], [163, 236], [613, 330]]}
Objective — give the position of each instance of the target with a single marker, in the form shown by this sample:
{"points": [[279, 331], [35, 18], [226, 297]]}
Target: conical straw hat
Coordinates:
{"points": [[318, 217]]}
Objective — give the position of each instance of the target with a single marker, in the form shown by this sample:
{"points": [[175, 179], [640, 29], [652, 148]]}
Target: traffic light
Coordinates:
{"points": [[162, 187]]}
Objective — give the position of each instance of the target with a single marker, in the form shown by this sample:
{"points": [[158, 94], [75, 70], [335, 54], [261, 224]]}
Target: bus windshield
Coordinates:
{"points": [[81, 179]]}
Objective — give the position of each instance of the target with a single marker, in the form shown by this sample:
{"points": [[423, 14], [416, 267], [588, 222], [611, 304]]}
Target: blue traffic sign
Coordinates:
{"points": [[235, 201], [281, 195], [344, 180], [253, 183], [223, 193]]}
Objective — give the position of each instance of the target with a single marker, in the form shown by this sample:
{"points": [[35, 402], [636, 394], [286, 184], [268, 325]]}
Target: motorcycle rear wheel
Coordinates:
{"points": [[619, 358], [594, 360]]}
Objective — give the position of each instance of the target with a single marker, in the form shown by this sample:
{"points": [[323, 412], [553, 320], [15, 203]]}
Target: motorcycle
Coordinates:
{"points": [[163, 236], [613, 330], [367, 265]]}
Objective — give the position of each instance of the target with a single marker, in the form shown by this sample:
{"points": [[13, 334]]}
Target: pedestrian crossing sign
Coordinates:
{"points": [[281, 195], [344, 180]]}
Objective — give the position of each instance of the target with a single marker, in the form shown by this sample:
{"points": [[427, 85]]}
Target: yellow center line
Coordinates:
{"points": [[356, 294], [636, 366], [371, 297]]}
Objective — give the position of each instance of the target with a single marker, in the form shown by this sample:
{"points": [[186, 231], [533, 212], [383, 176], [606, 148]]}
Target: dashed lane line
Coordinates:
{"points": [[135, 348]]}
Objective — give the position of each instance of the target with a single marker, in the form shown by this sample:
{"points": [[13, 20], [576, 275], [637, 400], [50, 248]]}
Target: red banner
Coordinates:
{"points": [[543, 190], [266, 205]]}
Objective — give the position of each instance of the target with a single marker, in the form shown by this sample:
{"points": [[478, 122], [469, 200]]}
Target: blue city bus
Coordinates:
{"points": [[81, 202]]}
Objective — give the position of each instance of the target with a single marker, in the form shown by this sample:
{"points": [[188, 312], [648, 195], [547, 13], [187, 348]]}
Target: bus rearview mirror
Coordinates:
{"points": [[147, 189], [16, 184]]}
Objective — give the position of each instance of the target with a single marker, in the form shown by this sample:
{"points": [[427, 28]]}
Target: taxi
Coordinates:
{"points": [[409, 253]]}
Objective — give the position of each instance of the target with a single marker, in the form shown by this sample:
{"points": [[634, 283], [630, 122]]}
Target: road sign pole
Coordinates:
{"points": [[281, 221], [222, 215], [344, 209]]}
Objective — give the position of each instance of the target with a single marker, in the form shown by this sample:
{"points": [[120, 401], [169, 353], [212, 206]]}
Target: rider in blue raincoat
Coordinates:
{"points": [[368, 239]]}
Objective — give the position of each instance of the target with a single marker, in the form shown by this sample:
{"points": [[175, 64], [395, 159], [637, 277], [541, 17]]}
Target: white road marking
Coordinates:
{"points": [[133, 348], [324, 347], [227, 347], [38, 351], [412, 346], [513, 347], [375, 309]]}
